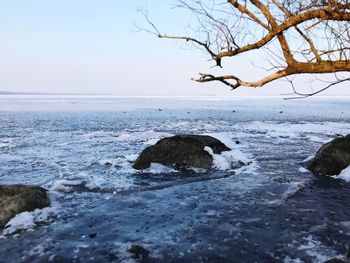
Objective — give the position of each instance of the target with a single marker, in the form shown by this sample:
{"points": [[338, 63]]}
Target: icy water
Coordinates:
{"points": [[81, 149]]}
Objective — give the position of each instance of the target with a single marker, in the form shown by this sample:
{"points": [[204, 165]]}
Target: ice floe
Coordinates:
{"points": [[81, 180], [28, 220]]}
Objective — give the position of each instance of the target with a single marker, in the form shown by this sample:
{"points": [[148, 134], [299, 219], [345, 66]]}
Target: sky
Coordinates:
{"points": [[90, 46]]}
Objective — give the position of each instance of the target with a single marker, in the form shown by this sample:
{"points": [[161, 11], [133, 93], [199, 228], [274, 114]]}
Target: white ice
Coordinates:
{"points": [[227, 159], [28, 220], [345, 174]]}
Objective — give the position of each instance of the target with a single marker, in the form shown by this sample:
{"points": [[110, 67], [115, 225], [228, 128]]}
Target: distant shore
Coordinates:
{"points": [[51, 94], [185, 97]]}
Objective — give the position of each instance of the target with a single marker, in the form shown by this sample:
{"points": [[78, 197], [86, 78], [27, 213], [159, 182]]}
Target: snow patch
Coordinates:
{"points": [[131, 157], [157, 168], [345, 174], [224, 161], [151, 141], [227, 160], [28, 220], [303, 170], [308, 158]]}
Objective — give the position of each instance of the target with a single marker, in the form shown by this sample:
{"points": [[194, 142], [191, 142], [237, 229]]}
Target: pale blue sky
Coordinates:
{"points": [[74, 46]]}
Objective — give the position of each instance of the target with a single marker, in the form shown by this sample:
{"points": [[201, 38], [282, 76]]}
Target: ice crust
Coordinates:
{"points": [[345, 174], [28, 220]]}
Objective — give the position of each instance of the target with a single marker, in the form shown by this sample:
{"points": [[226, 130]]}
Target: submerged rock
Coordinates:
{"points": [[181, 151], [15, 199], [139, 252], [332, 157]]}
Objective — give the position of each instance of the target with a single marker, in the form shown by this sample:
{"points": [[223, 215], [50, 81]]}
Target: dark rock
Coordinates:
{"points": [[139, 252], [332, 157], [108, 163], [181, 151], [15, 199], [93, 235], [238, 142]]}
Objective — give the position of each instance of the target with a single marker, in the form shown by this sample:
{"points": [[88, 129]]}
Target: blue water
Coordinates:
{"points": [[81, 150]]}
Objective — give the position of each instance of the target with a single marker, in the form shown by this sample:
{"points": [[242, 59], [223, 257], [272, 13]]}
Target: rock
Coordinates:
{"points": [[181, 151], [139, 252], [15, 199], [332, 157], [93, 235]]}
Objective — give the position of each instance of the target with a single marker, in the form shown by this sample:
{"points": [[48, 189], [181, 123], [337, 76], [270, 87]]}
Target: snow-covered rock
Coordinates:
{"points": [[15, 199]]}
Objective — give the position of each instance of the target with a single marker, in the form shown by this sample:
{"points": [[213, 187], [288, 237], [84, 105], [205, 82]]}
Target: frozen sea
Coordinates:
{"points": [[81, 149]]}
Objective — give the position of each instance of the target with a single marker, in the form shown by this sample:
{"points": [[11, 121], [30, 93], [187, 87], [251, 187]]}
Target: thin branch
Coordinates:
{"points": [[159, 35], [244, 10], [306, 95]]}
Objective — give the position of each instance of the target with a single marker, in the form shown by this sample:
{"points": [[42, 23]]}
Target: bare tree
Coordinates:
{"points": [[299, 37]]}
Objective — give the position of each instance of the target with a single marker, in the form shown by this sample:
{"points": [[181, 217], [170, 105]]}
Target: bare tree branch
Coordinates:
{"points": [[300, 95], [241, 26]]}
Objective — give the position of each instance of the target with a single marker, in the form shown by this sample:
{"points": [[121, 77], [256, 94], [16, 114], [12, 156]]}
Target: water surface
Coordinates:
{"points": [[81, 149]]}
